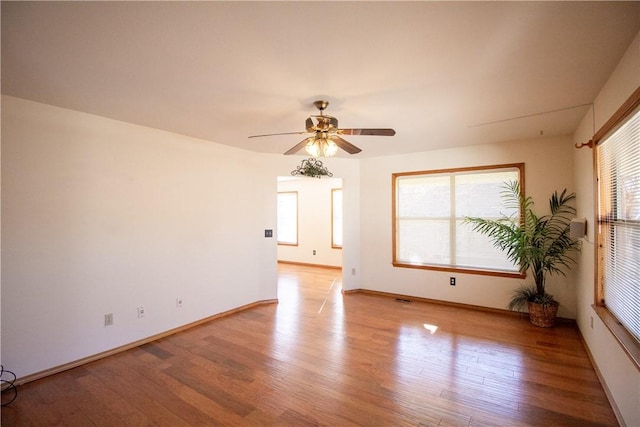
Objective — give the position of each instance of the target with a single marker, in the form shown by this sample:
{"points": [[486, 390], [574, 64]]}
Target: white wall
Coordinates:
{"points": [[314, 222], [548, 167], [621, 377], [101, 216]]}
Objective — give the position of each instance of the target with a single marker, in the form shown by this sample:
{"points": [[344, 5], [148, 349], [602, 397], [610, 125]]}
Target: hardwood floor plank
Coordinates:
{"points": [[320, 358], [148, 392], [215, 413], [117, 400]]}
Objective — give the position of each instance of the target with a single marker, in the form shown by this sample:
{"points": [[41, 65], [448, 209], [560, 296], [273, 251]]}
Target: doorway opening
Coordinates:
{"points": [[309, 221]]}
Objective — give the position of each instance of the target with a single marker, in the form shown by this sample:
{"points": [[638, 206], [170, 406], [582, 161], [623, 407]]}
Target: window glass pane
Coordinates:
{"points": [[622, 275], [480, 194], [424, 242], [288, 218], [424, 196], [475, 251], [336, 218]]}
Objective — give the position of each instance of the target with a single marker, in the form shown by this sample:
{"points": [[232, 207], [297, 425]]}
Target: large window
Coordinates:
{"points": [[336, 218], [288, 218], [429, 209], [618, 248]]}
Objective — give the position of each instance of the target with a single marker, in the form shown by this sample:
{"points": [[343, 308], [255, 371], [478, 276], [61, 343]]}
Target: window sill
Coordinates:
{"points": [[460, 270], [629, 343]]}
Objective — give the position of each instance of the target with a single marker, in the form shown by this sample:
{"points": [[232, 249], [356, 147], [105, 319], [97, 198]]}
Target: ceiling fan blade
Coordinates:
{"points": [[276, 134], [380, 132], [299, 146], [345, 145]]}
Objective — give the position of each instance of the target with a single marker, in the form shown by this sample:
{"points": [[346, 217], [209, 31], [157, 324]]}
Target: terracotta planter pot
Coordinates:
{"points": [[542, 315]]}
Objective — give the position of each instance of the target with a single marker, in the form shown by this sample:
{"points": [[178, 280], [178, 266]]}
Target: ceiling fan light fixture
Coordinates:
{"points": [[321, 147], [329, 148], [313, 148]]}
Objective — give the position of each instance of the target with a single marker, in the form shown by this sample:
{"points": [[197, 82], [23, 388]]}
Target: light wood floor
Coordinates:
{"points": [[321, 358]]}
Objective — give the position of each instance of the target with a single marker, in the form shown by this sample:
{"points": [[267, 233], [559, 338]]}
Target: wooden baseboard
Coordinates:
{"points": [[102, 355], [603, 383], [337, 267], [431, 301], [447, 303]]}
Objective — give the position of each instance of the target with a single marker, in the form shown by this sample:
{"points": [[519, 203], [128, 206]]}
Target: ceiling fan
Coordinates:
{"points": [[325, 138]]}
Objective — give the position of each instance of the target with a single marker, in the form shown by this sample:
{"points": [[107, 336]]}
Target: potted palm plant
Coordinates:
{"points": [[540, 245]]}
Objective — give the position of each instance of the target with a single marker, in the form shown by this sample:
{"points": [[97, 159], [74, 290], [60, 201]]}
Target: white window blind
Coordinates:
{"points": [[288, 218], [618, 168], [430, 208]]}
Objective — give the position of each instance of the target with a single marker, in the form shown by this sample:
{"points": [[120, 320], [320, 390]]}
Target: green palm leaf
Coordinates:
{"points": [[540, 245]]}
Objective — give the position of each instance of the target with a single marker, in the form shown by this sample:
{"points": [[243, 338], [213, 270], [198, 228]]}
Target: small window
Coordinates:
{"points": [[288, 218], [429, 209], [336, 218]]}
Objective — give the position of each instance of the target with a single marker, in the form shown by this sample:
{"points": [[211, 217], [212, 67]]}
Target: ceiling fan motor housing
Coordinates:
{"points": [[322, 123]]}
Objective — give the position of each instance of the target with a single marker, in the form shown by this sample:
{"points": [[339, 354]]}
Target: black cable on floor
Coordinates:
{"points": [[9, 389]]}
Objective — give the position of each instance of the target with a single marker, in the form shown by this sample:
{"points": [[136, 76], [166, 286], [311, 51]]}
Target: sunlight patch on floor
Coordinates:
{"points": [[430, 328]]}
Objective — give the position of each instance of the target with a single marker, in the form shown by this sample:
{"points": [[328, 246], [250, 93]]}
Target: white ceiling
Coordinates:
{"points": [[442, 74]]}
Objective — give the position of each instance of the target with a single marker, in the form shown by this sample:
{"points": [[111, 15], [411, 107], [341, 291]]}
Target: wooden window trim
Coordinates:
{"points": [[621, 114], [627, 341], [395, 263]]}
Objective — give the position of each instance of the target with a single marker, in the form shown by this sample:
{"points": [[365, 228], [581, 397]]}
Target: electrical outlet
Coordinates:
{"points": [[178, 302], [314, 251], [140, 312], [108, 319], [452, 281]]}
